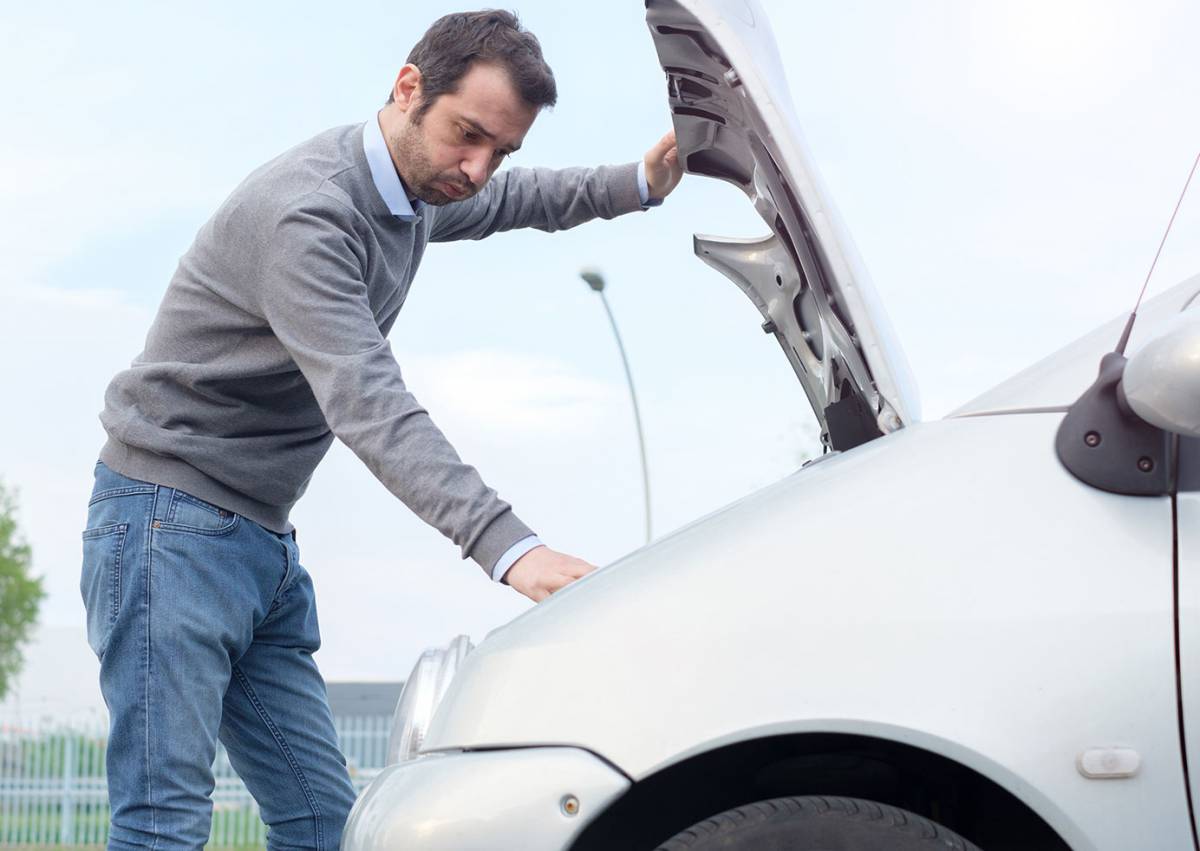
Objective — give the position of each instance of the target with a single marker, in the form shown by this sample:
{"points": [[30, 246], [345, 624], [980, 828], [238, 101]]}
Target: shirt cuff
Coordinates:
{"points": [[512, 554], [644, 188]]}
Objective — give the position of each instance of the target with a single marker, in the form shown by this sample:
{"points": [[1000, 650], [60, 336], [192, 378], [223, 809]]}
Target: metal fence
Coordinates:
{"points": [[53, 789]]}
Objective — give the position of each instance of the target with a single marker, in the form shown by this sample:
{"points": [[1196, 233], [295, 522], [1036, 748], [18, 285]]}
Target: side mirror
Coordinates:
{"points": [[1161, 383]]}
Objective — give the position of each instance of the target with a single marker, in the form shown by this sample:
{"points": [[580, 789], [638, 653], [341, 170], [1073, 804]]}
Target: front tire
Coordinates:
{"points": [[817, 824]]}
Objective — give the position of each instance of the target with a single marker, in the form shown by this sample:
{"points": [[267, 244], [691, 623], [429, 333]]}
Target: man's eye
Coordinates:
{"points": [[470, 135]]}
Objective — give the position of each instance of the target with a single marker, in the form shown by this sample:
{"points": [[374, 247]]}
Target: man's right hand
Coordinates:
{"points": [[542, 571]]}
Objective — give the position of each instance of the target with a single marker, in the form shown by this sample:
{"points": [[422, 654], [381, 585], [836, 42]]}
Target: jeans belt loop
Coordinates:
{"points": [[163, 497]]}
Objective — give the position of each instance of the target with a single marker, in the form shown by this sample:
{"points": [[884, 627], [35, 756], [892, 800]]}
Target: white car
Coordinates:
{"points": [[978, 632]]}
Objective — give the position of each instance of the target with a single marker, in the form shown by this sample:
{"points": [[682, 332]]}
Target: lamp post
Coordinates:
{"points": [[595, 280]]}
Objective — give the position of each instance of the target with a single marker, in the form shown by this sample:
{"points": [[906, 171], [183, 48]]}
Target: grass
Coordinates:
{"points": [[25, 830]]}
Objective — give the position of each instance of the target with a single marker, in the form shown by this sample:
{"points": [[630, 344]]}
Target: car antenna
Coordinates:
{"points": [[1132, 316]]}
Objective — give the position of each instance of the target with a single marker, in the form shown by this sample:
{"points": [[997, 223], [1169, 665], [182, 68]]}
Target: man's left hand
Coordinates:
{"points": [[663, 171]]}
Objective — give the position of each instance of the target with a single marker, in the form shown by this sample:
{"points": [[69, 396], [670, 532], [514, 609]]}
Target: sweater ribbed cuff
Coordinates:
{"points": [[500, 534], [625, 195]]}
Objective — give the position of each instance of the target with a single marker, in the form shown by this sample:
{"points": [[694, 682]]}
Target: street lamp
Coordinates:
{"points": [[595, 280]]}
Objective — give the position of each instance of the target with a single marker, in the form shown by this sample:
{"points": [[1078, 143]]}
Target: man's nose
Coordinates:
{"points": [[475, 167]]}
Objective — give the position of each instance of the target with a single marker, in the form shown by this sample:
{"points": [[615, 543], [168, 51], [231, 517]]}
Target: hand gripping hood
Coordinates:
{"points": [[734, 120]]}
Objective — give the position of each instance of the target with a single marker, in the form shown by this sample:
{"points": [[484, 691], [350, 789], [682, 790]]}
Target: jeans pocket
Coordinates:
{"points": [[100, 581], [190, 514]]}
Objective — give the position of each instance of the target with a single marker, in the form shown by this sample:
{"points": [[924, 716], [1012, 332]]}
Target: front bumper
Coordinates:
{"points": [[482, 801]]}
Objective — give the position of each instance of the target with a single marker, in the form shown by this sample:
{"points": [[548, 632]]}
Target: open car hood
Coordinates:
{"points": [[734, 120]]}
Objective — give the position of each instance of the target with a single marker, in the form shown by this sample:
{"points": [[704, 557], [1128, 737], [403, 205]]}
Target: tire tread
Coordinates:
{"points": [[813, 807]]}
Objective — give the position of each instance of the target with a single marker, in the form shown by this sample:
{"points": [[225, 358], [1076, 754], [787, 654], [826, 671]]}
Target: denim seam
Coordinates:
{"points": [[122, 491], [115, 581], [118, 531], [101, 531], [284, 591], [150, 521], [228, 529], [244, 682]]}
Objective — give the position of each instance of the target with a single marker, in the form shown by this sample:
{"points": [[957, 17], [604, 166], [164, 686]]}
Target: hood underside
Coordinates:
{"points": [[733, 120]]}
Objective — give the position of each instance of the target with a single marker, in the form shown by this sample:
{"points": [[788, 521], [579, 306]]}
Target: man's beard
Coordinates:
{"points": [[420, 176]]}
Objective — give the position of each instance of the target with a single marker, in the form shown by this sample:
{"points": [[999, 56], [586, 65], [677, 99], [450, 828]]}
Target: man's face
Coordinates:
{"points": [[463, 137]]}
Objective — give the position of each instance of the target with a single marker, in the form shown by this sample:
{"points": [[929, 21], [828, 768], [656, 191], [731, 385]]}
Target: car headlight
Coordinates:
{"points": [[423, 691]]}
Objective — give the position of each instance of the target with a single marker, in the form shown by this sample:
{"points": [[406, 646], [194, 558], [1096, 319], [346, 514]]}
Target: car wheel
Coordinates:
{"points": [[816, 824]]}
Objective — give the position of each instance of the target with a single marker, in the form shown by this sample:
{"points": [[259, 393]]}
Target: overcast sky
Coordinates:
{"points": [[1006, 170]]}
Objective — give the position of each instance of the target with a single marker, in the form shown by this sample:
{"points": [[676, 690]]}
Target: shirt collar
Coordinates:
{"points": [[383, 172]]}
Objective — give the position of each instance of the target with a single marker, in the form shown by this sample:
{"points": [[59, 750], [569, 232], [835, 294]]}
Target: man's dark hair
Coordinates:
{"points": [[455, 42]]}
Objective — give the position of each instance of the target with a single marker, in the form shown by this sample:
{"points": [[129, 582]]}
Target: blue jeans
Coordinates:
{"points": [[205, 625]]}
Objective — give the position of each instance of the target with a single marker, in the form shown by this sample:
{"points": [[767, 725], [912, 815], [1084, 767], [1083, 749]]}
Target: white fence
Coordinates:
{"points": [[53, 789]]}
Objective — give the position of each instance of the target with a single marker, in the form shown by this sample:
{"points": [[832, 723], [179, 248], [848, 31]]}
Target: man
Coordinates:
{"points": [[269, 342]]}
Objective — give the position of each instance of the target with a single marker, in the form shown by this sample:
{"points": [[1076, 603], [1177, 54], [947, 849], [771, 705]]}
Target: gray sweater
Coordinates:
{"points": [[270, 340]]}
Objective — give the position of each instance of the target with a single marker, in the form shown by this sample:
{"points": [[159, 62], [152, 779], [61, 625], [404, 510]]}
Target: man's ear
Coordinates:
{"points": [[406, 91]]}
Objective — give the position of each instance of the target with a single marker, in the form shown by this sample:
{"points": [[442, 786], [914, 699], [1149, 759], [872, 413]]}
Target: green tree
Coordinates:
{"points": [[20, 593]]}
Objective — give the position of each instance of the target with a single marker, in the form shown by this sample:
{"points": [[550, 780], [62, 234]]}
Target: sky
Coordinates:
{"points": [[1006, 170]]}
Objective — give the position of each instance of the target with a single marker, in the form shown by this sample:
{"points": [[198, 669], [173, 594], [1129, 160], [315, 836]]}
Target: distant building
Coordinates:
{"points": [[357, 700]]}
